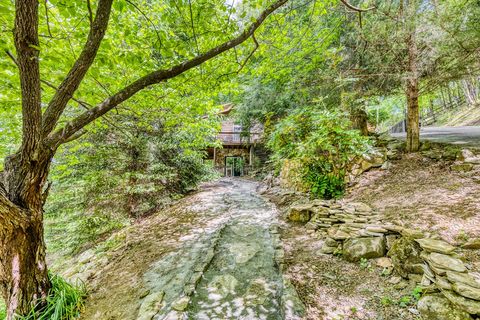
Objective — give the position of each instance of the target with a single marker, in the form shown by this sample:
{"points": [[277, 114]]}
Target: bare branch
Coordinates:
{"points": [[76, 135], [47, 19], [58, 137], [351, 7], [75, 76], [193, 26], [250, 55], [90, 13], [154, 26]]}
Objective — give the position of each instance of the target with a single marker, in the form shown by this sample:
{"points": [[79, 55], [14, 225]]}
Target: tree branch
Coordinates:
{"points": [[90, 13], [75, 76], [351, 7], [250, 55], [61, 135], [84, 104], [47, 18], [154, 26]]}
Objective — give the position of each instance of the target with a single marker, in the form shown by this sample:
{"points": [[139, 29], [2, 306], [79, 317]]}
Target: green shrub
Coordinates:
{"points": [[106, 180], [323, 142]]}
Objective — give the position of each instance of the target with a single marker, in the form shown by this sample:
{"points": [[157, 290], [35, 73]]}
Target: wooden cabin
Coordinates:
{"points": [[238, 155]]}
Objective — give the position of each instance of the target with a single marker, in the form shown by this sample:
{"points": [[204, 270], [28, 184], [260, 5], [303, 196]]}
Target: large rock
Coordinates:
{"points": [[436, 307], [300, 213], [469, 157], [461, 167], [469, 305], [472, 244], [466, 290], [405, 254], [357, 248], [361, 207], [433, 245], [371, 161], [150, 306], [442, 261], [465, 278]]}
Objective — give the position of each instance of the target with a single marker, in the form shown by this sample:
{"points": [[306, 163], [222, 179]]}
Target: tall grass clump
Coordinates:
{"points": [[3, 311], [65, 302]]}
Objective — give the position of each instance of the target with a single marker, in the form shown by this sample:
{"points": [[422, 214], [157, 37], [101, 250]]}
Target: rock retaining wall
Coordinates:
{"points": [[355, 231]]}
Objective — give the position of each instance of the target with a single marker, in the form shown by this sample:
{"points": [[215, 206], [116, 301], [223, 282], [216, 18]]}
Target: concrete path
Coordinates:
{"points": [[465, 136]]}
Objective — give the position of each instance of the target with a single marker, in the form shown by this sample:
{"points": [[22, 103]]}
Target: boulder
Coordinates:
{"points": [[469, 305], [386, 166], [469, 157], [384, 262], [466, 290], [405, 254], [361, 207], [442, 261], [338, 234], [300, 213], [472, 244], [433, 245], [436, 307], [412, 233], [151, 306], [331, 242], [328, 249], [465, 278], [391, 238], [462, 167], [181, 304], [443, 283], [368, 248]]}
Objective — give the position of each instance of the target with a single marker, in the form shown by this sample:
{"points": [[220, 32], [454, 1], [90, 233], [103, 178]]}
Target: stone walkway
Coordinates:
{"points": [[224, 262]]}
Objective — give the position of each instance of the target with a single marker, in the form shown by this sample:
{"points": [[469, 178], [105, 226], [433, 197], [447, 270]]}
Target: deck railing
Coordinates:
{"points": [[239, 137]]}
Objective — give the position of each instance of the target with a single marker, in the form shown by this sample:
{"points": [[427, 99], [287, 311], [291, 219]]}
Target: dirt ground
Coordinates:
{"points": [[333, 289], [426, 194], [415, 192]]}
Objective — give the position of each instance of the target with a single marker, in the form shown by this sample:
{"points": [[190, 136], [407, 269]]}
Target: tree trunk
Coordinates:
{"points": [[24, 281], [412, 92], [359, 119], [135, 164], [413, 121], [23, 269]]}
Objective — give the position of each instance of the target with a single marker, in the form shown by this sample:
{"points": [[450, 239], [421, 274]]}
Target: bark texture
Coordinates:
{"points": [[23, 270], [412, 92], [359, 120]]}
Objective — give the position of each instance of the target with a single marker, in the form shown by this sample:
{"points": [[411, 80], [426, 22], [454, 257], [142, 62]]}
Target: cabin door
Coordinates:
{"points": [[234, 166]]}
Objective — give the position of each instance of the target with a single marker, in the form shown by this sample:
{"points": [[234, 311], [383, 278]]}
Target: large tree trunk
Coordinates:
{"points": [[412, 92], [413, 121], [23, 270], [24, 281]]}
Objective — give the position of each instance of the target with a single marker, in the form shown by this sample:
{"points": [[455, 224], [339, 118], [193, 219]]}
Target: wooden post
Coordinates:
{"points": [[251, 156]]}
